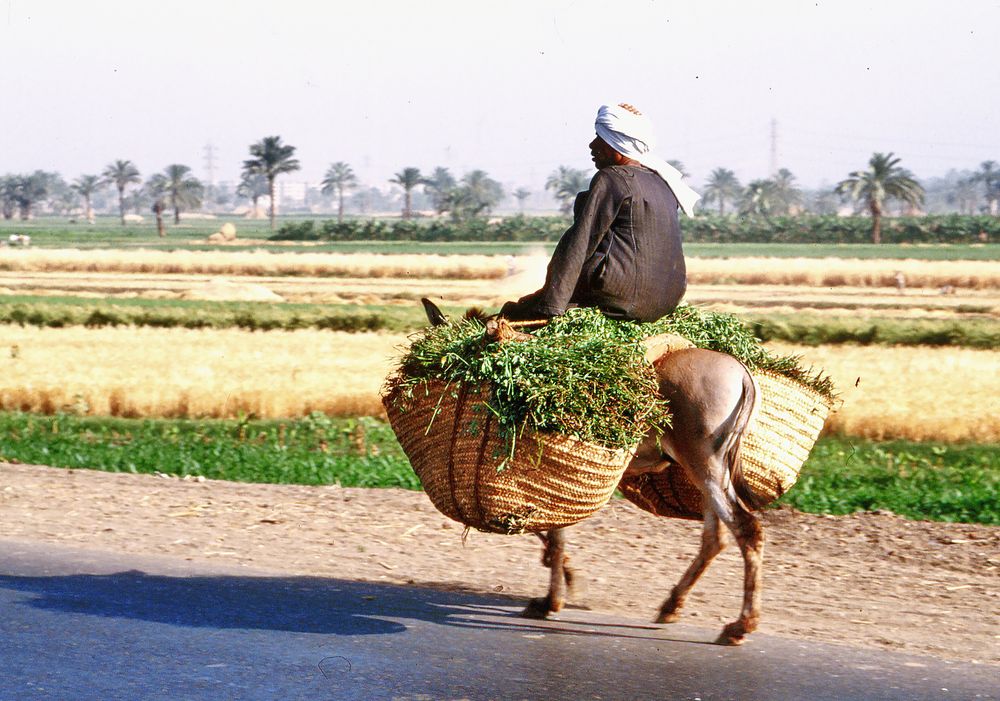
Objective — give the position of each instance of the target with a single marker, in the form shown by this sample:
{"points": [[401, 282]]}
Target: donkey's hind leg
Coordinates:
{"points": [[750, 537], [712, 543], [560, 576]]}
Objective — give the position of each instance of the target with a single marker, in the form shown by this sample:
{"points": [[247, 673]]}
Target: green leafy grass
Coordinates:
{"points": [[888, 251], [817, 330], [931, 481], [30, 310], [360, 452]]}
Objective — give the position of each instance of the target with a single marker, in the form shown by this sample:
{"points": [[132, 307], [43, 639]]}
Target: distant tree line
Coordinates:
{"points": [[708, 228], [881, 188]]}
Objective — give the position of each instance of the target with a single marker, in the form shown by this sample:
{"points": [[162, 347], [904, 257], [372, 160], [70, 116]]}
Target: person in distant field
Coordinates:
{"points": [[623, 252]]}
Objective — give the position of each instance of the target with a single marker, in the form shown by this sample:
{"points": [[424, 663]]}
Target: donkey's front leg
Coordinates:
{"points": [[560, 576]]}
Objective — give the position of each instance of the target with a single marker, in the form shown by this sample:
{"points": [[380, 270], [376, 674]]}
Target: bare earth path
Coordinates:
{"points": [[871, 580]]}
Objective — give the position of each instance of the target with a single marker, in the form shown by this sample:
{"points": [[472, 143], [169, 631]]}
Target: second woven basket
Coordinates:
{"points": [[775, 446]]}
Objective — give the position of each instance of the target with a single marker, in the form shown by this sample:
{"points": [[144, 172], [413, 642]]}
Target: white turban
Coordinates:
{"points": [[630, 133]]}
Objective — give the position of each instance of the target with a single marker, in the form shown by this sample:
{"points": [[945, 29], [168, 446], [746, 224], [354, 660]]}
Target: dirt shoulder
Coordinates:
{"points": [[871, 580]]}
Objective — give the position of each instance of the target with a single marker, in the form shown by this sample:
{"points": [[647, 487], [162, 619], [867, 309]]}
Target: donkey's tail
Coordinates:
{"points": [[747, 409]]}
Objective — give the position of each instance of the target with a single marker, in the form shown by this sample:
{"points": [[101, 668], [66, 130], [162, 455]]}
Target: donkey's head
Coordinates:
{"points": [[434, 315]]}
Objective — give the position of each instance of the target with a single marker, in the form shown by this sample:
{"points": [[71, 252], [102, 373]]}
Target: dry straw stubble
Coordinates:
{"points": [[917, 393], [192, 373]]}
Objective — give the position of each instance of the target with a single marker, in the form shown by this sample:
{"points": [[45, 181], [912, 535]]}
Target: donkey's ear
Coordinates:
{"points": [[434, 315]]}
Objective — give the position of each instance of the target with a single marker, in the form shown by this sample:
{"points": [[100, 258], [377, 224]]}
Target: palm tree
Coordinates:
{"points": [[8, 196], [183, 189], [408, 178], [786, 194], [438, 186], [30, 190], [759, 198], [252, 186], [271, 159], [157, 187], [883, 180], [121, 174], [477, 194], [339, 177], [86, 185], [521, 194], [722, 185], [566, 184], [965, 195], [989, 176]]}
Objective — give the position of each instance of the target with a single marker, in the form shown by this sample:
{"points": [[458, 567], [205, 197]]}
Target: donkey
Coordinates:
{"points": [[712, 399]]}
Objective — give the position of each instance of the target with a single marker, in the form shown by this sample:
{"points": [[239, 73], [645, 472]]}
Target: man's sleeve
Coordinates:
{"points": [[595, 211]]}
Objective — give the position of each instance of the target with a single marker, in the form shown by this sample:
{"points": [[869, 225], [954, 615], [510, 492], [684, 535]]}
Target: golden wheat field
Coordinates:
{"points": [[916, 393], [919, 393], [813, 272], [849, 272], [187, 373]]}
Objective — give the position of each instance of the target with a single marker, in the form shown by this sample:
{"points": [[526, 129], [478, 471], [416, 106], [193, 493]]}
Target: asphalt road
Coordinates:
{"points": [[78, 624]]}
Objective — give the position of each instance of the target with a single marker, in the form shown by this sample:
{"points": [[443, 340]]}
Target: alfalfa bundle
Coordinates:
{"points": [[523, 435]]}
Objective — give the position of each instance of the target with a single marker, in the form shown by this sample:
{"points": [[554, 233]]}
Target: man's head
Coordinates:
{"points": [[603, 155], [625, 130], [625, 135]]}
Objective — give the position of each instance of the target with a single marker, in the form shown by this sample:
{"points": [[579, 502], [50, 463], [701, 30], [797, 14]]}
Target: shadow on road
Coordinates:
{"points": [[286, 603]]}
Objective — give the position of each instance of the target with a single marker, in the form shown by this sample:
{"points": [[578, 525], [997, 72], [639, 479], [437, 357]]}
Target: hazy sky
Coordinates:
{"points": [[511, 87]]}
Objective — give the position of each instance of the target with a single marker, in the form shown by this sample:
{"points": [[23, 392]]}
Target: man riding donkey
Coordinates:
{"points": [[623, 253]]}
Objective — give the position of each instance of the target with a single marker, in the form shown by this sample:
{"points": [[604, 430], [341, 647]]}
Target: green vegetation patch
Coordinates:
{"points": [[57, 312], [360, 452], [814, 331], [931, 481], [805, 329]]}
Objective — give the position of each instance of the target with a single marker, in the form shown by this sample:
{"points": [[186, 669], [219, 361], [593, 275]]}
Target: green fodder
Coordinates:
{"points": [[577, 376], [728, 334], [582, 374]]}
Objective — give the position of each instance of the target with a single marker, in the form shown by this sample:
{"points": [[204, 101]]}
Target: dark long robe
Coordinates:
{"points": [[622, 254]]}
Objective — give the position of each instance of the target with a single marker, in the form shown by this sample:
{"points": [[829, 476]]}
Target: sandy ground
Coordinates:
{"points": [[870, 580]]}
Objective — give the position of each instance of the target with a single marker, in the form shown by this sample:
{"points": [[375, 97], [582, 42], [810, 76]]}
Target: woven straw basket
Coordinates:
{"points": [[450, 437], [775, 445]]}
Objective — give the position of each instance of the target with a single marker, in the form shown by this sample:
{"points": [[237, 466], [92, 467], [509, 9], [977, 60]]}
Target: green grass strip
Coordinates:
{"points": [[316, 450], [806, 329], [932, 481], [826, 330], [928, 481]]}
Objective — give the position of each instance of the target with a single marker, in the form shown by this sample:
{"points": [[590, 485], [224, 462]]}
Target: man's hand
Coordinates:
{"points": [[523, 309]]}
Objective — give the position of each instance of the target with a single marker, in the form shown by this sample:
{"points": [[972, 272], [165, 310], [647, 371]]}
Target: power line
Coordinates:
{"points": [[210, 163]]}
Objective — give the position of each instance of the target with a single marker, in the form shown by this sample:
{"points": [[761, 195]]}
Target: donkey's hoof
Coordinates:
{"points": [[668, 617], [537, 608], [732, 635]]}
